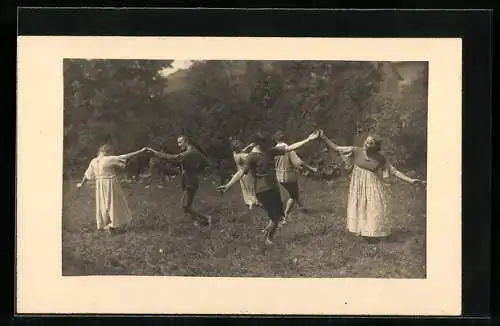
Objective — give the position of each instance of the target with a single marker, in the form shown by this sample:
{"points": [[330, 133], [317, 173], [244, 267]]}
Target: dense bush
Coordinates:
{"points": [[128, 103]]}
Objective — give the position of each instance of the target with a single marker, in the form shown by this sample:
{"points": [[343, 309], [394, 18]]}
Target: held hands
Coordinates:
{"points": [[315, 135], [150, 151]]}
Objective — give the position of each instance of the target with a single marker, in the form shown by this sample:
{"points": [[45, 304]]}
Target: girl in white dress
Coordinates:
{"points": [[367, 201], [247, 181], [112, 211]]}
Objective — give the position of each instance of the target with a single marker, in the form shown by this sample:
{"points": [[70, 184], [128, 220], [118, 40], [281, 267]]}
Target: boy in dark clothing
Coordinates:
{"points": [[190, 161]]}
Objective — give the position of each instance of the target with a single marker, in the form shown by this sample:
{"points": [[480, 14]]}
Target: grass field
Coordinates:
{"points": [[162, 241]]}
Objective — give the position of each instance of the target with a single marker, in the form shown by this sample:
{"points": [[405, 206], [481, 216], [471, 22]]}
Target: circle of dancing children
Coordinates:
{"points": [[263, 166]]}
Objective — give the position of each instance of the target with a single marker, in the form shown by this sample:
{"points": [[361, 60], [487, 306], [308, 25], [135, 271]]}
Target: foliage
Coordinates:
{"points": [[129, 103], [402, 122], [117, 101]]}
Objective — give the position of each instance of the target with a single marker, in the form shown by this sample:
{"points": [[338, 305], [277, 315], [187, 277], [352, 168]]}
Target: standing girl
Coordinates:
{"points": [[112, 211], [367, 201]]}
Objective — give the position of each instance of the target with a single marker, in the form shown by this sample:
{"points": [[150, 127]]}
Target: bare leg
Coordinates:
{"points": [[268, 226], [289, 205], [271, 232]]}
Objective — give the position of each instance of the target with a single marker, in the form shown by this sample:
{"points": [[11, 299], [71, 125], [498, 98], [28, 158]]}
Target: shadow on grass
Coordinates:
{"points": [[399, 235]]}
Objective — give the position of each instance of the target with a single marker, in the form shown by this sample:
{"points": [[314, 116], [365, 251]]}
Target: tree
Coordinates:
{"points": [[110, 100]]}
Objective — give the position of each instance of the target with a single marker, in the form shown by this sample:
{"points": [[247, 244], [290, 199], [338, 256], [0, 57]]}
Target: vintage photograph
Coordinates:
{"points": [[245, 168]]}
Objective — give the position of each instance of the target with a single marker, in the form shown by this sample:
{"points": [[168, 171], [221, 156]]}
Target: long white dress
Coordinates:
{"points": [[247, 182], [367, 200], [111, 204]]}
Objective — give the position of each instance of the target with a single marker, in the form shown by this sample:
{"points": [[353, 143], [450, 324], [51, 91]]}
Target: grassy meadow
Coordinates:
{"points": [[162, 241]]}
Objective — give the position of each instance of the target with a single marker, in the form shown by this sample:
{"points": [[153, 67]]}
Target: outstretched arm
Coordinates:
{"points": [[236, 177], [299, 163], [299, 144], [166, 156], [134, 154], [400, 175]]}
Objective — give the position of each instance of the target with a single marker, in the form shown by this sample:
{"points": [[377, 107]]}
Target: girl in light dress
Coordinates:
{"points": [[367, 201], [112, 211], [247, 181]]}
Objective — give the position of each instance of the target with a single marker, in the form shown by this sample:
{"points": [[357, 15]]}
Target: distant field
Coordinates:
{"points": [[162, 241]]}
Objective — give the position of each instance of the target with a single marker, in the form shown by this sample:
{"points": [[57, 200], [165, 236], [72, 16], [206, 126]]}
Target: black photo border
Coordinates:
{"points": [[473, 26]]}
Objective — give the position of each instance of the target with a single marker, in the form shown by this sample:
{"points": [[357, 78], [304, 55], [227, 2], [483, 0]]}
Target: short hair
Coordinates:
{"points": [[279, 136], [105, 149]]}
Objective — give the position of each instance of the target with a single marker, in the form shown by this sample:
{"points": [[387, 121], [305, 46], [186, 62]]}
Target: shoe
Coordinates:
{"points": [[268, 242]]}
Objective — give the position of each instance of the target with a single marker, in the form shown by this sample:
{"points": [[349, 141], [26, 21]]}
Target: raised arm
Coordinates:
{"points": [[299, 144], [134, 154], [248, 148]]}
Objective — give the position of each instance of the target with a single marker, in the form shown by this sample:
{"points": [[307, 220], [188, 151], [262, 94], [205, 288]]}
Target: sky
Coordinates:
{"points": [[177, 65]]}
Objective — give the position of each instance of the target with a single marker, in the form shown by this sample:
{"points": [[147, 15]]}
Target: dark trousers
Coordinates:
{"points": [[272, 204], [190, 186]]}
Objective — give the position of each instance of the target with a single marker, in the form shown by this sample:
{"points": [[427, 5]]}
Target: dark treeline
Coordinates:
{"points": [[131, 104]]}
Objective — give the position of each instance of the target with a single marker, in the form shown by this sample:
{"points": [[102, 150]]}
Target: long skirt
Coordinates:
{"points": [[111, 204], [248, 190], [367, 205]]}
